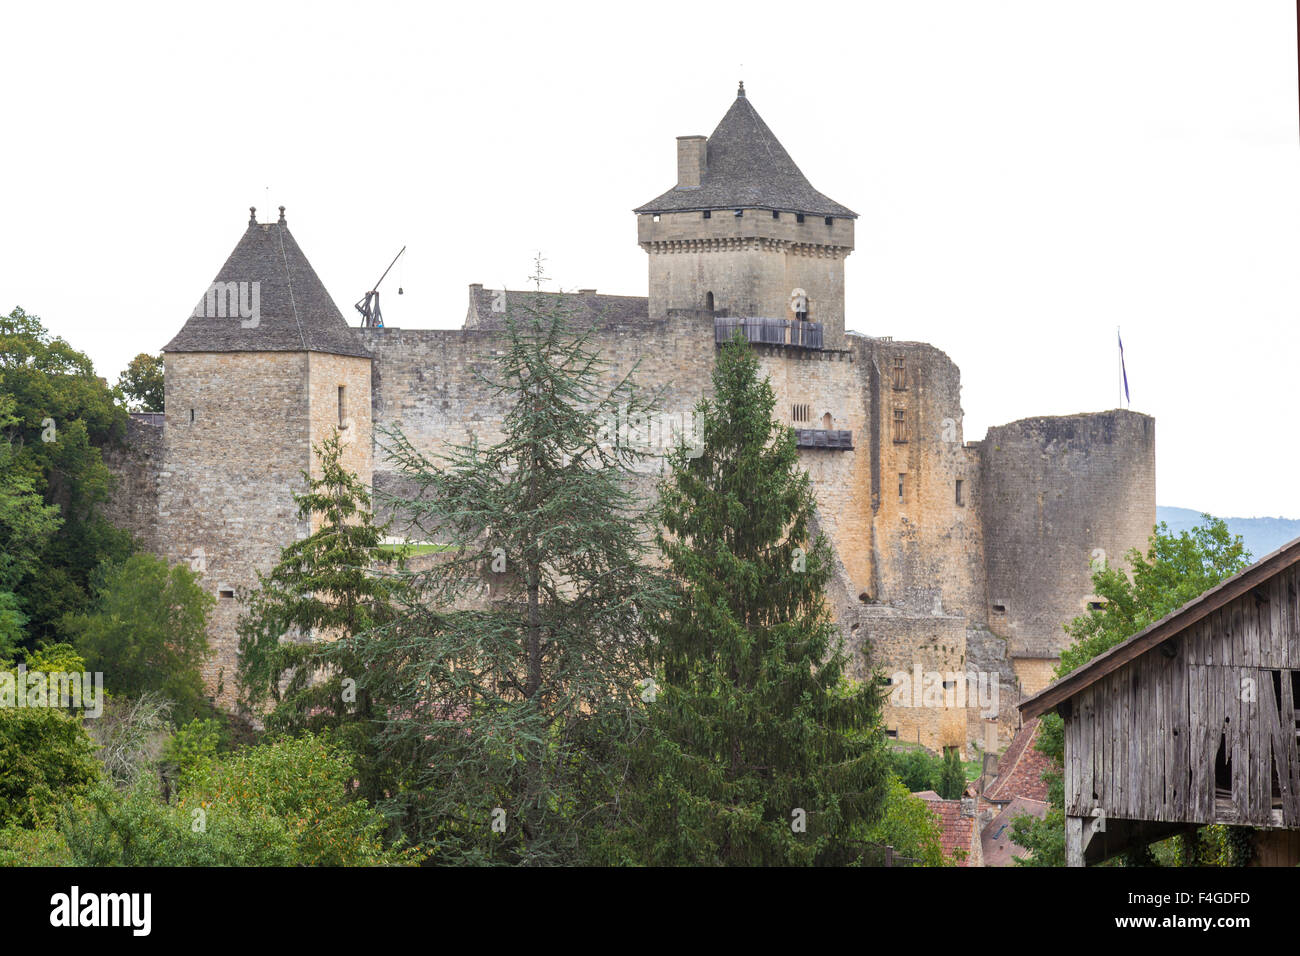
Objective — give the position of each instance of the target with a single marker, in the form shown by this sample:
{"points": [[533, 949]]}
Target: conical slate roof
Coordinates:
{"points": [[294, 313], [746, 167]]}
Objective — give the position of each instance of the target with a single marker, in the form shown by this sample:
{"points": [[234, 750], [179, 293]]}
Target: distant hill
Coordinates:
{"points": [[1260, 535]]}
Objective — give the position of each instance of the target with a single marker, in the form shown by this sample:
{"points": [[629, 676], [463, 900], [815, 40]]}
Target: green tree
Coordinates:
{"points": [[285, 803], [533, 635], [148, 632], [296, 645], [141, 383], [952, 779], [908, 826], [758, 751], [1175, 570], [46, 756], [57, 416], [918, 769]]}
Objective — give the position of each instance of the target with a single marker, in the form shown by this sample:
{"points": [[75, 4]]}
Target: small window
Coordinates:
{"points": [[1096, 605], [949, 684], [960, 500], [999, 609], [191, 415], [800, 413], [655, 218], [708, 301], [739, 213], [900, 425], [827, 421], [798, 217], [900, 372], [830, 220], [343, 421], [775, 214], [707, 214], [902, 484], [892, 733], [226, 593]]}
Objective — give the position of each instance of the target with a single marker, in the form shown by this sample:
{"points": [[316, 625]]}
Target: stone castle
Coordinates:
{"points": [[953, 557]]}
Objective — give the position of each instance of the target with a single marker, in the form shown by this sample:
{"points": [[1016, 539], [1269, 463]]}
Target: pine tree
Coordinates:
{"points": [[528, 644], [297, 637], [759, 751]]}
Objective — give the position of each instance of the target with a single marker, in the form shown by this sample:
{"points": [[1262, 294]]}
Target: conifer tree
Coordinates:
{"points": [[759, 751], [529, 640], [296, 638]]}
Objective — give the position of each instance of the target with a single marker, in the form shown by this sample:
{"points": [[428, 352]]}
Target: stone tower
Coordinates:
{"points": [[265, 368], [744, 233]]}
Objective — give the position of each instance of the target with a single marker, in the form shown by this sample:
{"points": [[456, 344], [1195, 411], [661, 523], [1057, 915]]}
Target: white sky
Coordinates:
{"points": [[1029, 175]]}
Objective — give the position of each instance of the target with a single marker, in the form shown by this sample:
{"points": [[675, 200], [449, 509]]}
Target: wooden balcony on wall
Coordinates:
{"points": [[835, 439], [790, 333]]}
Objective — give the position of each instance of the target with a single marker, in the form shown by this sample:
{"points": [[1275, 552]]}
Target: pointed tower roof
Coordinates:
{"points": [[294, 314], [746, 167]]}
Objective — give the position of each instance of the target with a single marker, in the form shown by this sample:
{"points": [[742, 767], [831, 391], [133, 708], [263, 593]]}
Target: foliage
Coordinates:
{"points": [[295, 644], [1176, 569], [195, 743], [55, 416], [908, 826], [40, 846], [759, 751], [129, 733], [279, 804], [530, 636], [45, 753], [917, 768], [952, 779], [147, 632], [141, 383]]}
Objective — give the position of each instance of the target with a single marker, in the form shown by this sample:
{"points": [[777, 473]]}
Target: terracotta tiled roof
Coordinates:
{"points": [[1020, 769], [998, 847], [956, 832]]}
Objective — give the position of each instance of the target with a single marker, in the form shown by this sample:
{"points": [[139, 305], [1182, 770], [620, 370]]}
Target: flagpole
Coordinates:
{"points": [[1119, 369]]}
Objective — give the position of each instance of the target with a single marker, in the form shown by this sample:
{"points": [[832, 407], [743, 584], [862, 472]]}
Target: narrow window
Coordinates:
{"points": [[1096, 605], [830, 220], [999, 609], [900, 425], [342, 406], [960, 500], [798, 217], [706, 214], [226, 593], [775, 214], [891, 733], [900, 372], [708, 301], [901, 477], [191, 414], [826, 421]]}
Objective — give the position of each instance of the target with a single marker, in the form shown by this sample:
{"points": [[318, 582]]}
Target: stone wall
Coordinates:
{"points": [[1058, 495], [135, 465]]}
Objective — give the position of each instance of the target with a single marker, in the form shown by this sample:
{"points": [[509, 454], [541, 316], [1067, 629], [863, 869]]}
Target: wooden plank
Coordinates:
{"points": [[1180, 740], [1160, 755], [1288, 758], [1087, 742]]}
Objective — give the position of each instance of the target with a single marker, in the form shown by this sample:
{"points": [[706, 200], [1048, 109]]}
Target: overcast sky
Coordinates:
{"points": [[1028, 175]]}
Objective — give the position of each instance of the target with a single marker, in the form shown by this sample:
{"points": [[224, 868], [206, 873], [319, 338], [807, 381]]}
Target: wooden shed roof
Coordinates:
{"points": [[1162, 630]]}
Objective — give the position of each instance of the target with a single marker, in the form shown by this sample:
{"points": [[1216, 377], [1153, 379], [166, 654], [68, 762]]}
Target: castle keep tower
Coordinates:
{"points": [[264, 368], [743, 229]]}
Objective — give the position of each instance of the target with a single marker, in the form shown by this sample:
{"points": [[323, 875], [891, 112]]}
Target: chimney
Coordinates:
{"points": [[692, 160]]}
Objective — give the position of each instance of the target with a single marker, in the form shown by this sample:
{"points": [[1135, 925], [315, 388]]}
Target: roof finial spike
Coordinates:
{"points": [[252, 215], [741, 91], [281, 214]]}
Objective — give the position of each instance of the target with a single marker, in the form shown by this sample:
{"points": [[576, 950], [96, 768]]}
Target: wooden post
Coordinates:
{"points": [[889, 856], [1074, 841]]}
